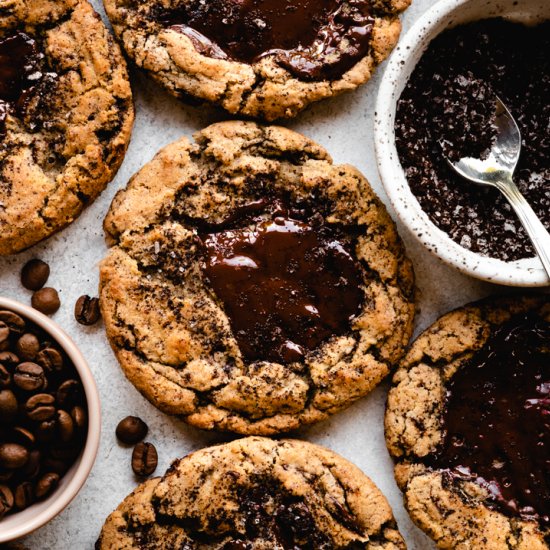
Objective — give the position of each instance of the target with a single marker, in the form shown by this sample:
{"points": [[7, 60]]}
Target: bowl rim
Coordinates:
{"points": [[527, 272], [61, 498]]}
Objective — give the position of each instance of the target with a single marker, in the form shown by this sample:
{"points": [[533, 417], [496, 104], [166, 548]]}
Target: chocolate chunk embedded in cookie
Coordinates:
{"points": [[260, 58], [467, 422], [252, 285], [253, 494], [66, 114]]}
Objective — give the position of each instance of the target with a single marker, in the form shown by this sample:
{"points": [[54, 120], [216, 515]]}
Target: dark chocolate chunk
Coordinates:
{"points": [[313, 39], [286, 285], [497, 419]]}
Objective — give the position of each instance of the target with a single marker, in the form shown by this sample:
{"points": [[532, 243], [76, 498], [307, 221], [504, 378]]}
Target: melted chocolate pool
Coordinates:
{"points": [[286, 284], [497, 419], [313, 39], [20, 73]]}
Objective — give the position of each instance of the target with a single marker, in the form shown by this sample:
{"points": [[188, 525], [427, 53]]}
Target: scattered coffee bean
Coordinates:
{"points": [[6, 500], [46, 484], [34, 274], [46, 300], [69, 393], [24, 495], [43, 415], [29, 377], [86, 310], [8, 406], [131, 429], [27, 347], [15, 322], [40, 406], [13, 456], [50, 360], [4, 332], [144, 459]]}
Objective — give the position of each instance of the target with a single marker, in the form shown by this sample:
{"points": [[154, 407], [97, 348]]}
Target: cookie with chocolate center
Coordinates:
{"points": [[66, 114], [255, 494], [467, 423], [260, 58], [252, 285]]}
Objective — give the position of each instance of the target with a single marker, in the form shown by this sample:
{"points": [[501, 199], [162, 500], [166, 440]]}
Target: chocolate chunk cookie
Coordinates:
{"points": [[260, 58], [66, 114], [467, 423], [253, 494], [252, 285]]}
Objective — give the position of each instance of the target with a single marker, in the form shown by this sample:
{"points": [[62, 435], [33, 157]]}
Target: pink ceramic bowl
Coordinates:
{"points": [[22, 523]]}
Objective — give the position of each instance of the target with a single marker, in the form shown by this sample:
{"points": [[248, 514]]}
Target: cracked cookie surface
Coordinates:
{"points": [[255, 494], [467, 425], [65, 133], [266, 86], [169, 329]]}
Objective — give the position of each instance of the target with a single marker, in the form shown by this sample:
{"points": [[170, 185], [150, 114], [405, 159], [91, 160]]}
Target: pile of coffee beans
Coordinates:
{"points": [[43, 413], [132, 431]]}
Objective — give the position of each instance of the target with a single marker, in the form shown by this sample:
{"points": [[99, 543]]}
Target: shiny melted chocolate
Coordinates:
{"points": [[20, 73], [286, 284], [497, 419], [313, 39]]}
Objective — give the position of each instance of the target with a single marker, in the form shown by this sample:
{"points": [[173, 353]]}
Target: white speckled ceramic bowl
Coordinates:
{"points": [[445, 14], [21, 523]]}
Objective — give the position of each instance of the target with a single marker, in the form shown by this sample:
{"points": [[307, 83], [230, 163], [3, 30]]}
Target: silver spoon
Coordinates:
{"points": [[497, 170]]}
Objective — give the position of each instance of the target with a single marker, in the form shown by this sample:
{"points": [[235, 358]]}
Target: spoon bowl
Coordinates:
{"points": [[497, 171]]}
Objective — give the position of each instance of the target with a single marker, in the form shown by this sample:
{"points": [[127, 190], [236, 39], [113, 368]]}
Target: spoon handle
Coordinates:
{"points": [[535, 229]]}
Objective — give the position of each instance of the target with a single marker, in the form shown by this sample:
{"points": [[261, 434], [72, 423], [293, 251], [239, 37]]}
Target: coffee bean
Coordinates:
{"points": [[69, 393], [131, 429], [5, 377], [8, 406], [29, 377], [32, 467], [27, 347], [13, 456], [40, 407], [23, 436], [34, 274], [46, 485], [65, 425], [4, 332], [4, 345], [9, 359], [80, 418], [46, 300], [86, 310], [46, 430], [24, 495], [6, 500], [144, 459], [50, 360], [15, 322]]}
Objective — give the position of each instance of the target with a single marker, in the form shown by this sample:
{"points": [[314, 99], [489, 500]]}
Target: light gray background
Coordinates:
{"points": [[344, 126]]}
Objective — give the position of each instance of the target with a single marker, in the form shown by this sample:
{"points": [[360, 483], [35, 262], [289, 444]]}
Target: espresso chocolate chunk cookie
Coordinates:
{"points": [[253, 494], [468, 424], [66, 114], [260, 58], [252, 285]]}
